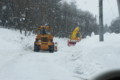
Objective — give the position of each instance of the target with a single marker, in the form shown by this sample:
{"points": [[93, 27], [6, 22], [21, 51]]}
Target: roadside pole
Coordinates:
{"points": [[101, 34]]}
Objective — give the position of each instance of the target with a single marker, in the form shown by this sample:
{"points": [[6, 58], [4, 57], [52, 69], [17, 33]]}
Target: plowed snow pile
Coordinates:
{"points": [[88, 58]]}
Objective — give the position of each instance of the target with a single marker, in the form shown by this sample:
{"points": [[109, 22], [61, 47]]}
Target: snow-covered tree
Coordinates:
{"points": [[115, 26]]}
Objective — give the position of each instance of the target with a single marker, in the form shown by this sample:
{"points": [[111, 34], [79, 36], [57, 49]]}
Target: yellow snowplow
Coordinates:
{"points": [[44, 40], [75, 36]]}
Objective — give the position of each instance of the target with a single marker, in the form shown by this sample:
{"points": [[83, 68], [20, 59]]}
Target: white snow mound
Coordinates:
{"points": [[82, 61]]}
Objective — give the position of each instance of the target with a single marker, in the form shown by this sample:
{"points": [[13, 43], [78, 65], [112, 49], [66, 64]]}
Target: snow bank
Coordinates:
{"points": [[19, 62], [88, 58]]}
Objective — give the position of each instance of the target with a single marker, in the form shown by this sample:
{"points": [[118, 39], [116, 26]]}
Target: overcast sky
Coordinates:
{"points": [[110, 8]]}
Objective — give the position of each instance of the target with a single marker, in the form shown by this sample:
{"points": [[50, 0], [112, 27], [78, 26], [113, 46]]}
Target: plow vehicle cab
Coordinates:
{"points": [[44, 40]]}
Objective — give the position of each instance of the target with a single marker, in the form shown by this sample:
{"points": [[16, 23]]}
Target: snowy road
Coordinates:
{"points": [[86, 59], [19, 62], [34, 66]]}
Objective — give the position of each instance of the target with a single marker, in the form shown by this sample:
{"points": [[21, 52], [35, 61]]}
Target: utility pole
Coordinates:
{"points": [[118, 1], [101, 35]]}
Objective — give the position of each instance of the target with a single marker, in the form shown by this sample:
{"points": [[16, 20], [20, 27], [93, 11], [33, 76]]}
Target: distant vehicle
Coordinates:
{"points": [[44, 40], [75, 36]]}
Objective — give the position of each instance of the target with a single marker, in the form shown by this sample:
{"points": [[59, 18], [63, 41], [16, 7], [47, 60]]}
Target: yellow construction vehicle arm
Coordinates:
{"points": [[74, 34]]}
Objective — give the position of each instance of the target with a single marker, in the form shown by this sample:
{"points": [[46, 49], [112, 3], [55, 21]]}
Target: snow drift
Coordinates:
{"points": [[88, 58]]}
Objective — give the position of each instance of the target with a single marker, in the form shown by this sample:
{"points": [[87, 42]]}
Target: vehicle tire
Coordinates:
{"points": [[51, 48], [36, 48]]}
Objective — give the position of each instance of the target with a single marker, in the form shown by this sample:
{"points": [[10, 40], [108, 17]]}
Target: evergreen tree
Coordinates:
{"points": [[115, 26]]}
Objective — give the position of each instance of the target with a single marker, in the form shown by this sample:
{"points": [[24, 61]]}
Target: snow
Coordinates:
{"points": [[88, 58], [4, 7]]}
